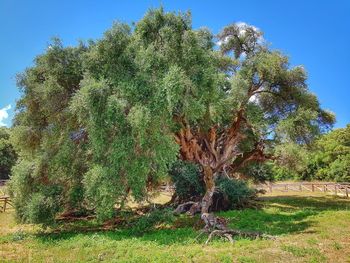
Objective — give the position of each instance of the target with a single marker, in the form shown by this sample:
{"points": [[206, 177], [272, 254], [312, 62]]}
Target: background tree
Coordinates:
{"points": [[292, 161], [330, 158], [8, 155]]}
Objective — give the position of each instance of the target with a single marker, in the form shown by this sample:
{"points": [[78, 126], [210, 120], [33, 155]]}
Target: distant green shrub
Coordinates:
{"points": [[281, 173], [259, 172], [187, 179], [329, 157], [237, 193], [231, 194]]}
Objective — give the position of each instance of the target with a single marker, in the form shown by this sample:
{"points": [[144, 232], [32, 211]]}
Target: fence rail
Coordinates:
{"points": [[3, 182], [342, 189], [4, 199]]}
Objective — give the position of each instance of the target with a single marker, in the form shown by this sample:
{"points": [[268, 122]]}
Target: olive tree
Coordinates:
{"points": [[100, 122], [162, 90]]}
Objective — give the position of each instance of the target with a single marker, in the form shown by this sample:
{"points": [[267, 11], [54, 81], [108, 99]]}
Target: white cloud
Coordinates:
{"points": [[4, 115], [254, 99], [242, 30]]}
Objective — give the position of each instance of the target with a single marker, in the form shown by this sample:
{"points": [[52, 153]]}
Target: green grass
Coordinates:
{"points": [[308, 229]]}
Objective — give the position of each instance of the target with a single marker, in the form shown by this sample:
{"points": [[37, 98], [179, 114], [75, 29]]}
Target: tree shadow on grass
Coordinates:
{"points": [[285, 214], [272, 222], [279, 215], [161, 236]]}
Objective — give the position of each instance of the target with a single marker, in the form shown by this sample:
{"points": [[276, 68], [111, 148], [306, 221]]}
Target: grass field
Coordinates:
{"points": [[308, 229]]}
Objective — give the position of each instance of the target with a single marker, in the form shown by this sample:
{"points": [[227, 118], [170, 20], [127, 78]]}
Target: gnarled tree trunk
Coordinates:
{"points": [[216, 150], [210, 188]]}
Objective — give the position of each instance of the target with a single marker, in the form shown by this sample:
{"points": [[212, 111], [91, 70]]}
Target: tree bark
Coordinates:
{"points": [[207, 199], [210, 188]]}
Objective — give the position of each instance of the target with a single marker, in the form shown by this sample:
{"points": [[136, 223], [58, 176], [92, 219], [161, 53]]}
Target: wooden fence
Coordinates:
{"points": [[341, 189], [4, 199], [3, 182]]}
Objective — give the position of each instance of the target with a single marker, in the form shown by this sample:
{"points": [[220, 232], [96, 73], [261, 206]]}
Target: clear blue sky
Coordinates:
{"points": [[313, 33]]}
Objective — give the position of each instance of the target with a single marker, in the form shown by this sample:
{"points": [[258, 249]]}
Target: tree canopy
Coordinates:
{"points": [[107, 119]]}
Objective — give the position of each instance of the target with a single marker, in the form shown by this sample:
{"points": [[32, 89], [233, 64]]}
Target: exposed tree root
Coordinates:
{"points": [[229, 234], [217, 226], [193, 205]]}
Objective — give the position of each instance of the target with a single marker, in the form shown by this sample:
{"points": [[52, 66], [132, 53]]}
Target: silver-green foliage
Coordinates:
{"points": [[96, 122]]}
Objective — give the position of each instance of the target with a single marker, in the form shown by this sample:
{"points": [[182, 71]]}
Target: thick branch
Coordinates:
{"points": [[233, 137], [257, 154], [268, 91]]}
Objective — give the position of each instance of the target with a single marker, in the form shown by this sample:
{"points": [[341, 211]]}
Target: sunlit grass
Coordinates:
{"points": [[308, 229]]}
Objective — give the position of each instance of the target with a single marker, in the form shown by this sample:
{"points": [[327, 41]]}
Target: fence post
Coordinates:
{"points": [[336, 189], [347, 191], [5, 202], [313, 188]]}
